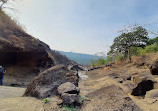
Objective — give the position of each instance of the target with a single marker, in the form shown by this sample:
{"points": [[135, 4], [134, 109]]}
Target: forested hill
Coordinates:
{"points": [[80, 58]]}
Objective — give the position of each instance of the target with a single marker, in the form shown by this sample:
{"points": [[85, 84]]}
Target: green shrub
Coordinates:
{"points": [[151, 48], [153, 41], [81, 99], [119, 57], [136, 51], [46, 100], [100, 61]]}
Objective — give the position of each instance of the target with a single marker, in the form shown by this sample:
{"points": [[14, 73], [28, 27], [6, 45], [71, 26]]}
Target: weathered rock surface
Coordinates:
{"points": [[47, 82], [136, 79], [154, 68], [152, 94], [143, 87], [75, 67], [22, 55], [69, 93], [70, 99], [68, 88]]}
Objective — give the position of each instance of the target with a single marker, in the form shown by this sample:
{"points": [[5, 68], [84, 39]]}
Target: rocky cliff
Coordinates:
{"points": [[23, 55]]}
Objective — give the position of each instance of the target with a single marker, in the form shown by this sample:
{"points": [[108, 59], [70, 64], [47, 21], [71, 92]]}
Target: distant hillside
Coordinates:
{"points": [[83, 59]]}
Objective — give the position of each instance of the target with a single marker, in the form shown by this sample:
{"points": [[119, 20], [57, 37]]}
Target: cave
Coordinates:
{"points": [[23, 59], [142, 88], [23, 66]]}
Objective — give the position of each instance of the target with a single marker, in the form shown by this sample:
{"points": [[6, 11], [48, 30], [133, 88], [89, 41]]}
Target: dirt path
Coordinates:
{"points": [[11, 100], [11, 92]]}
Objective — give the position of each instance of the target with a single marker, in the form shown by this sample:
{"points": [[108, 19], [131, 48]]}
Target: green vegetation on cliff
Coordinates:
{"points": [[130, 43]]}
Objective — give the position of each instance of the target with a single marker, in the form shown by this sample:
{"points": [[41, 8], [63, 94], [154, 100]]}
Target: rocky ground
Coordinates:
{"points": [[105, 89], [110, 88], [105, 94]]}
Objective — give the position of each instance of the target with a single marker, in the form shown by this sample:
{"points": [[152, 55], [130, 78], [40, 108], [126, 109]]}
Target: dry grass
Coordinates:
{"points": [[147, 58], [106, 68], [7, 23]]}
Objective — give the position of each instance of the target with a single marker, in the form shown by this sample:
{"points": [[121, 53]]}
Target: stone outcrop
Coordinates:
{"points": [[136, 79], [70, 99], [154, 68], [145, 82], [143, 87], [69, 93], [22, 55], [68, 88], [47, 82], [75, 67]]}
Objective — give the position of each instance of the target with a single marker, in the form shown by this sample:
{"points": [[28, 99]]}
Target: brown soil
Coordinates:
{"points": [[105, 94], [109, 88]]}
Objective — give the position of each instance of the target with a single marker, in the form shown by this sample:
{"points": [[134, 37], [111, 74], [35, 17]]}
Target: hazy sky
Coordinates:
{"points": [[85, 26]]}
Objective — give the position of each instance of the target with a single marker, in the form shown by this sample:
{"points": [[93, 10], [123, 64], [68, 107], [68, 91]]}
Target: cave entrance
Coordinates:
{"points": [[142, 88], [21, 59], [23, 66]]}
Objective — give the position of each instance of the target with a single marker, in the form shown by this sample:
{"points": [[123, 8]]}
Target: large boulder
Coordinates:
{"points": [[136, 79], [47, 82], [69, 93], [154, 68], [143, 87], [68, 87], [70, 99]]}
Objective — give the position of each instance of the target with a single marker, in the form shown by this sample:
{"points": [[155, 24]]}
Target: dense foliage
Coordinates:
{"points": [[137, 37], [133, 43], [153, 41]]}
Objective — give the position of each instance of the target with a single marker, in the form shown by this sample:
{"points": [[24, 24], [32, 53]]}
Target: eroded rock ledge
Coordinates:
{"points": [[47, 82]]}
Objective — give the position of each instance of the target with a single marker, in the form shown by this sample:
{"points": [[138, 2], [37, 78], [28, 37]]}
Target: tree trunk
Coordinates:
{"points": [[129, 55], [126, 54], [1, 6]]}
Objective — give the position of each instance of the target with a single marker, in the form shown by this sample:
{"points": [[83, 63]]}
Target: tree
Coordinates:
{"points": [[153, 41], [137, 36], [3, 2]]}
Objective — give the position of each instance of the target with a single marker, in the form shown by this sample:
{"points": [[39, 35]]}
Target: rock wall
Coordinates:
{"points": [[22, 55]]}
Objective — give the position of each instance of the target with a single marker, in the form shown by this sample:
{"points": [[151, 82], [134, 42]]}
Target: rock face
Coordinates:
{"points": [[68, 88], [75, 67], [152, 94], [143, 87], [69, 93], [70, 99], [154, 68], [22, 55], [47, 82]]}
